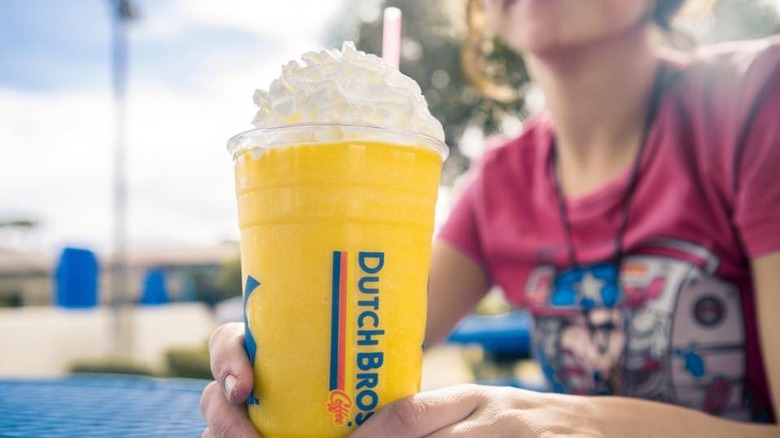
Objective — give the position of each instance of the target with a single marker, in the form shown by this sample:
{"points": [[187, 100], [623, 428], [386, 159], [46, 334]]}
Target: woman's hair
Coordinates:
{"points": [[664, 12], [490, 78]]}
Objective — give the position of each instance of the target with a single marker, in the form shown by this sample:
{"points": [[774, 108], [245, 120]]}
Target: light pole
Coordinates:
{"points": [[122, 12]]}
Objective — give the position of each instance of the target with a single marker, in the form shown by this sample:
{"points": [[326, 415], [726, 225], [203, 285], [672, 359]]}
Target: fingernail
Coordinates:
{"points": [[230, 385]]}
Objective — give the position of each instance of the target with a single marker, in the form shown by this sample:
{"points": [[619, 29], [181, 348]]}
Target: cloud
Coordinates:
{"points": [[194, 65], [291, 21], [54, 154], [211, 44], [57, 166]]}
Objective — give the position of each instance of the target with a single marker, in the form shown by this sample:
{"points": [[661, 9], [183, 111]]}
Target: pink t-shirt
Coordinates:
{"points": [[682, 327]]}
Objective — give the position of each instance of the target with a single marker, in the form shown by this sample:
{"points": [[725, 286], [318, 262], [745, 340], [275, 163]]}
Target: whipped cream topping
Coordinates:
{"points": [[347, 87]]}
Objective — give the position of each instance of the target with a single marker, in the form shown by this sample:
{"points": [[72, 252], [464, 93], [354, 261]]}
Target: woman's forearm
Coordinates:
{"points": [[622, 416]]}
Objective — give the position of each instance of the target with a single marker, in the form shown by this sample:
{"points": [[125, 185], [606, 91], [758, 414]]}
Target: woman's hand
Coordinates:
{"points": [[465, 410], [483, 411], [222, 401], [477, 411]]}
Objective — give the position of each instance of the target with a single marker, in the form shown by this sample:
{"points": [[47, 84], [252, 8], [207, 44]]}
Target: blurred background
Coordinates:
{"points": [[118, 236]]}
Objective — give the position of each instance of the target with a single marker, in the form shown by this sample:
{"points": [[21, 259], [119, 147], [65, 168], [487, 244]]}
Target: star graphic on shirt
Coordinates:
{"points": [[589, 289]]}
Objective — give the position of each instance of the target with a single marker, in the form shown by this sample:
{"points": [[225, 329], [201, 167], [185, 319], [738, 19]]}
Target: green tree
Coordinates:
{"points": [[433, 33], [228, 279], [431, 55], [731, 20]]}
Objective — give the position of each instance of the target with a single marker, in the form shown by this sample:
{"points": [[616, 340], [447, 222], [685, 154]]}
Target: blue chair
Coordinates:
{"points": [[76, 279], [155, 291]]}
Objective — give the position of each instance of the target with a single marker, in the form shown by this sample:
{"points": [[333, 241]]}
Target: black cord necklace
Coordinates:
{"points": [[630, 184], [602, 345]]}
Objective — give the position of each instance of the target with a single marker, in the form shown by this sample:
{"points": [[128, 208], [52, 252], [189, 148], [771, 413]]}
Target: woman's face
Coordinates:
{"points": [[547, 26]]}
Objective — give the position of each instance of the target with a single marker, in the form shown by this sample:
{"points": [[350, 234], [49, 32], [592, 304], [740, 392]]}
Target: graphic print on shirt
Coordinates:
{"points": [[673, 332]]}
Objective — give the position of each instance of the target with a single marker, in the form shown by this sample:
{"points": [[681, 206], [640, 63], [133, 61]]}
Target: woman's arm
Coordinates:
{"points": [[455, 286], [766, 281], [470, 410]]}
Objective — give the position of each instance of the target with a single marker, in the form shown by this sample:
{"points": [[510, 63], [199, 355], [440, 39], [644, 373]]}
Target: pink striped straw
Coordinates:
{"points": [[391, 36]]}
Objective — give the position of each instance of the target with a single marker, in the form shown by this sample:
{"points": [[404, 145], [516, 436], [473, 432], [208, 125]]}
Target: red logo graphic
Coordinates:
{"points": [[339, 406]]}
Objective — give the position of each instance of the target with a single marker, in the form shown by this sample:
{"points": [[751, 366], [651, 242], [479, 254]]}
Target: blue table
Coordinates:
{"points": [[505, 336], [101, 406]]}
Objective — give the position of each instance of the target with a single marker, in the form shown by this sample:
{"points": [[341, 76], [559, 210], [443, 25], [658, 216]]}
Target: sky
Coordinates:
{"points": [[193, 67]]}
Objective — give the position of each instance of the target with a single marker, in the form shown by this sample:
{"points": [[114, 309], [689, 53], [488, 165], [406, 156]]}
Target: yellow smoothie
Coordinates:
{"points": [[335, 251]]}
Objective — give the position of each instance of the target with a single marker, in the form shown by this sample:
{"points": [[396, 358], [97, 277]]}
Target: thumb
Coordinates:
{"points": [[422, 414]]}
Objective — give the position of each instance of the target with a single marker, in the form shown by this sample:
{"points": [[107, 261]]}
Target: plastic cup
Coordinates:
{"points": [[336, 226]]}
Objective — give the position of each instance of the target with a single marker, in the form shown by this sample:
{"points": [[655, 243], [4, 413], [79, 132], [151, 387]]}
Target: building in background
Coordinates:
{"points": [[191, 274]]}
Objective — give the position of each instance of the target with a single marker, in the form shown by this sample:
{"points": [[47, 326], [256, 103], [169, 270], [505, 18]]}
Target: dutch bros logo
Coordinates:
{"points": [[250, 345], [369, 358], [339, 403]]}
